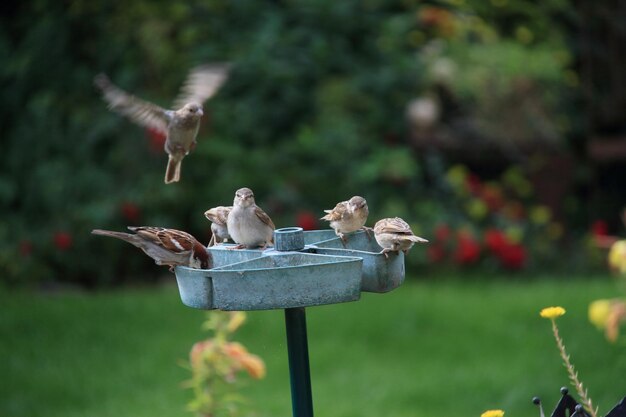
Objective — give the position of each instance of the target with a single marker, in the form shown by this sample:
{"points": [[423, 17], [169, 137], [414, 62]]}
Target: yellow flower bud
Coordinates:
{"points": [[552, 312], [493, 413]]}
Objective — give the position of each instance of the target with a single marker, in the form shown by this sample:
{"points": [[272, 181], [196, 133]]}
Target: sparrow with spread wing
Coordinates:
{"points": [[394, 234], [180, 126], [166, 246], [348, 216], [218, 217], [248, 224]]}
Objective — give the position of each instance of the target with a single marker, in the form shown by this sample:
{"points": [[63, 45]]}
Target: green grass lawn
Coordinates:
{"points": [[432, 349]]}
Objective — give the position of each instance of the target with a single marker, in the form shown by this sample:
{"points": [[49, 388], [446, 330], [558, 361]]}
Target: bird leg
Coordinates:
{"points": [[368, 231], [385, 252], [212, 241], [344, 239], [239, 246]]}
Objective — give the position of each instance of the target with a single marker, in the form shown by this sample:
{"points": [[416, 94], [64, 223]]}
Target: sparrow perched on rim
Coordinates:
{"points": [[248, 224], [218, 217], [180, 126], [394, 234], [166, 246], [348, 216]]}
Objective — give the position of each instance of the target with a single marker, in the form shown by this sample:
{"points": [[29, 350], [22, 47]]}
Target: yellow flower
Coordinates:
{"points": [[237, 318], [552, 312], [617, 256], [599, 312], [493, 413]]}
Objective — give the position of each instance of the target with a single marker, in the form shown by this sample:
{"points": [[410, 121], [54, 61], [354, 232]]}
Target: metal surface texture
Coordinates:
{"points": [[303, 269]]}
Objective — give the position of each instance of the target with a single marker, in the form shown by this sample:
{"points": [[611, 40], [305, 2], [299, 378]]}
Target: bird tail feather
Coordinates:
{"points": [[128, 237], [172, 174], [417, 239]]}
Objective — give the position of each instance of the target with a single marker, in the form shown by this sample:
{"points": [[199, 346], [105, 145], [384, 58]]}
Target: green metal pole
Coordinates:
{"points": [[299, 371]]}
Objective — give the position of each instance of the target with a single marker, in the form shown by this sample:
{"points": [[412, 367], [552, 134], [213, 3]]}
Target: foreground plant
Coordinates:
{"points": [[552, 313], [609, 314], [215, 364]]}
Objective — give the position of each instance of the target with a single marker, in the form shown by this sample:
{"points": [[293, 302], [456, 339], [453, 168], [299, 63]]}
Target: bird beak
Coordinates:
{"points": [[200, 112]]}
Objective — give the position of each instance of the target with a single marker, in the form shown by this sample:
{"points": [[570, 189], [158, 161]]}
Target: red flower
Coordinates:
{"points": [[442, 232], [513, 256], [130, 212], [495, 240], [156, 140], [306, 220], [468, 250], [435, 253], [62, 240], [599, 228], [26, 248]]}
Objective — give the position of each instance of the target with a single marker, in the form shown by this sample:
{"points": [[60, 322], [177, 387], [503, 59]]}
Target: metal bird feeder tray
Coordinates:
{"points": [[303, 269]]}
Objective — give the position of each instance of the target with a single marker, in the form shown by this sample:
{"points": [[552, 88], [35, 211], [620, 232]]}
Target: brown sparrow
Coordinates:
{"points": [[248, 224], [394, 234], [180, 126], [218, 217], [166, 246], [348, 216]]}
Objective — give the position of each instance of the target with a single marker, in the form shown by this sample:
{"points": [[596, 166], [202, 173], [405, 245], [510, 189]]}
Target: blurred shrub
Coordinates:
{"points": [[313, 113]]}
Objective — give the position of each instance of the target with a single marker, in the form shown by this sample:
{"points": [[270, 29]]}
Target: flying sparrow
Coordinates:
{"points": [[218, 217], [348, 216], [248, 224], [180, 126], [394, 234], [166, 246]]}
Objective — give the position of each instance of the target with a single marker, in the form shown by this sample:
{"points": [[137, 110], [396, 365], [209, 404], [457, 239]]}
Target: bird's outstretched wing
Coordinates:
{"points": [[139, 111], [201, 84]]}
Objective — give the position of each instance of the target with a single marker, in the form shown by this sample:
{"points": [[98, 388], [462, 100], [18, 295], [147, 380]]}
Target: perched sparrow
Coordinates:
{"points": [[166, 246], [218, 217], [394, 234], [348, 216], [180, 126], [247, 223]]}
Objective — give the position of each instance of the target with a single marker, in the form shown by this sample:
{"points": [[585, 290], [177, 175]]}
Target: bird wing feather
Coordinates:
{"points": [[170, 239], [218, 215], [201, 84], [139, 111], [338, 213], [264, 217], [394, 225]]}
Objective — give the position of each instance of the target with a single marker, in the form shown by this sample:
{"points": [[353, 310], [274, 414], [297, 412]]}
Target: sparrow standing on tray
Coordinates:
{"points": [[166, 246], [394, 234], [248, 224], [218, 217], [180, 126], [348, 216]]}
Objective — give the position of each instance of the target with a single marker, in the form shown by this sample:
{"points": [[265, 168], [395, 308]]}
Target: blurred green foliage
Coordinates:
{"points": [[313, 113]]}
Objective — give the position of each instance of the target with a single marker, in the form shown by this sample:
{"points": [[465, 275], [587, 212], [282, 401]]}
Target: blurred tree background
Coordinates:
{"points": [[484, 123]]}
